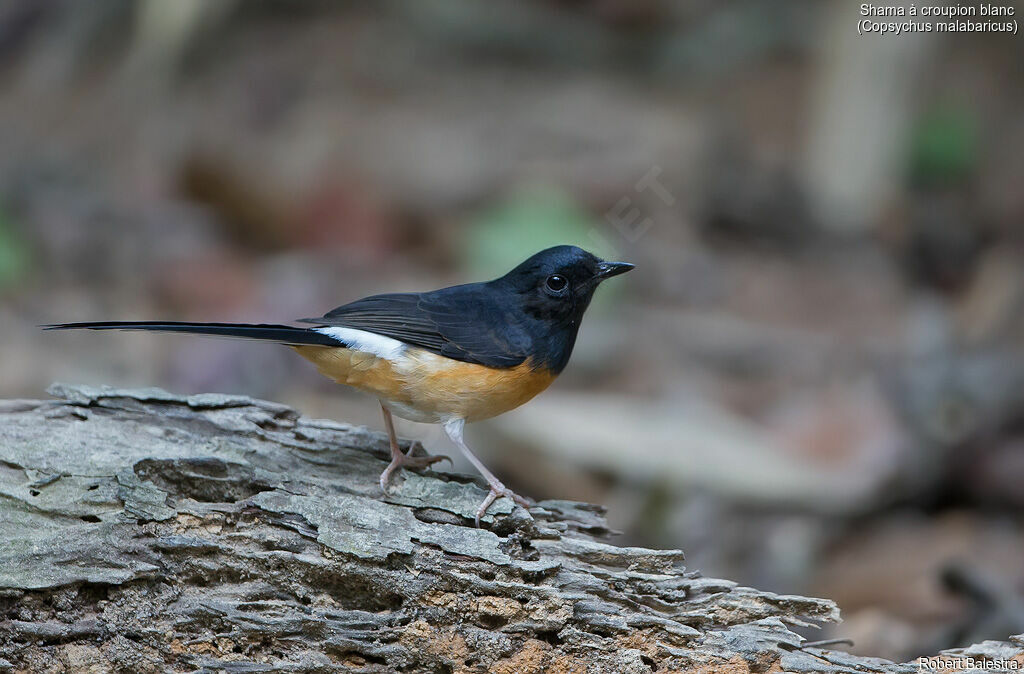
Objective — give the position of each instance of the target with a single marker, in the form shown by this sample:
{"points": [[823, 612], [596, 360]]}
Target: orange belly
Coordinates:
{"points": [[423, 386]]}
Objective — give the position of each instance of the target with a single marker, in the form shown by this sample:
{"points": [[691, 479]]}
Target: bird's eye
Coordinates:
{"points": [[556, 283]]}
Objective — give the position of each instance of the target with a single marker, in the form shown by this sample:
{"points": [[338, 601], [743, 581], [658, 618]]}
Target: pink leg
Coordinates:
{"points": [[398, 458], [454, 429]]}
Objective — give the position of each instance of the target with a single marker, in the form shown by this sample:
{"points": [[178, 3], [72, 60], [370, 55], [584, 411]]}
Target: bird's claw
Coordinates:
{"points": [[401, 460], [497, 490]]}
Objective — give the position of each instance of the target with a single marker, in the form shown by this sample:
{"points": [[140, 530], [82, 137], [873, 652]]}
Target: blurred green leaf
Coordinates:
{"points": [[529, 220], [944, 147], [14, 255]]}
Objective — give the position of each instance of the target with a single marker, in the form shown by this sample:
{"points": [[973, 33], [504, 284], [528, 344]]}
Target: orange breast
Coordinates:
{"points": [[423, 386]]}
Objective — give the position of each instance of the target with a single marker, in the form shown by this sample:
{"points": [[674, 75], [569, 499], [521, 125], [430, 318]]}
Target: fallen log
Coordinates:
{"points": [[148, 532]]}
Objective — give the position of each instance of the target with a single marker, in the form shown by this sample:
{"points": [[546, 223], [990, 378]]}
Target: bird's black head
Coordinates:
{"points": [[554, 288]]}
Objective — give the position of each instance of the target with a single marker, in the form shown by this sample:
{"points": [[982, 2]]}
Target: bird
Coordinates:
{"points": [[451, 356]]}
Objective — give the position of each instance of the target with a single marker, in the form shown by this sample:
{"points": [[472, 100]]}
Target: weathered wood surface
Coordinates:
{"points": [[144, 531]]}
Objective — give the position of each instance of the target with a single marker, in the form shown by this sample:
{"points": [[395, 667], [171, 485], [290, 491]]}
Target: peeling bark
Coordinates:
{"points": [[149, 532]]}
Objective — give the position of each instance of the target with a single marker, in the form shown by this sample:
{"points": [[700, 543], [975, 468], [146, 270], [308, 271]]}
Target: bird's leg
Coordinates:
{"points": [[454, 428], [400, 459]]}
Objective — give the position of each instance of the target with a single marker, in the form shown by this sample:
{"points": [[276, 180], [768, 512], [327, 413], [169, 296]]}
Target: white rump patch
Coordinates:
{"points": [[370, 342]]}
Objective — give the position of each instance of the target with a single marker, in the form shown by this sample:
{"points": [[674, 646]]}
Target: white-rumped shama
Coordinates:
{"points": [[448, 356]]}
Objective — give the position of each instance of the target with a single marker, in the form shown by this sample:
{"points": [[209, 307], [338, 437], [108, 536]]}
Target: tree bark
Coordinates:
{"points": [[148, 532]]}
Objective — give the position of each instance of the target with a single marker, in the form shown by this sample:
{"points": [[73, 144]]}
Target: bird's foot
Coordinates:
{"points": [[416, 448], [497, 491], [407, 460]]}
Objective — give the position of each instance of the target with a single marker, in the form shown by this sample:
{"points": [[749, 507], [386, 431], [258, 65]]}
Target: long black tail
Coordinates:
{"points": [[283, 334]]}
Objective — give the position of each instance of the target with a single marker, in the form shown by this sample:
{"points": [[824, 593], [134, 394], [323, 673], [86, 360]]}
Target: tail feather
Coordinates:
{"points": [[283, 334]]}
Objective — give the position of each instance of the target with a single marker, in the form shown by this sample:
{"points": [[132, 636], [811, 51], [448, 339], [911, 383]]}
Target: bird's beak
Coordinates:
{"points": [[610, 269]]}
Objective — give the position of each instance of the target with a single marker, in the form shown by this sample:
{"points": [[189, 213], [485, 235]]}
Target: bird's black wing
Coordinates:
{"points": [[395, 315], [466, 323]]}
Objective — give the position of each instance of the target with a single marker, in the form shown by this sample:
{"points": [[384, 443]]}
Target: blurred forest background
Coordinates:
{"points": [[813, 381]]}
